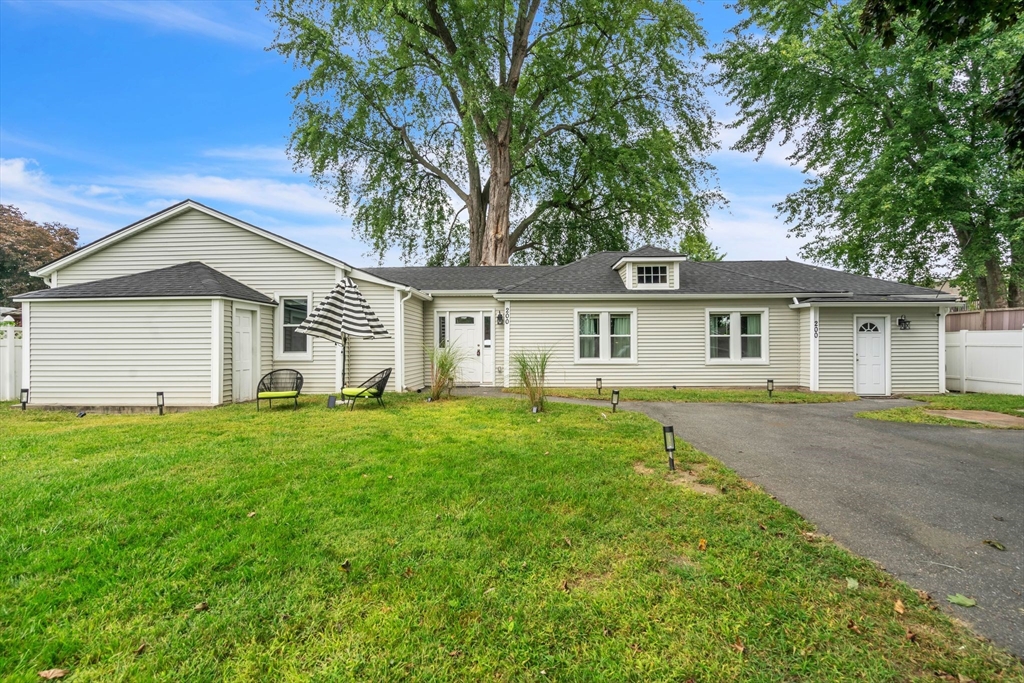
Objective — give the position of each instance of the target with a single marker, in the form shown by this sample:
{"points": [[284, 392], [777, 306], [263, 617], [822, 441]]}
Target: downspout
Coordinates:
{"points": [[400, 338]]}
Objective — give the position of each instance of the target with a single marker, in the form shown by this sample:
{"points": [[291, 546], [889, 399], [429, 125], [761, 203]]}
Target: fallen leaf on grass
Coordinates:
{"points": [[924, 595], [201, 606], [853, 627], [960, 678], [346, 566], [566, 586], [739, 646], [703, 544], [455, 653], [995, 544], [252, 514], [852, 584], [911, 636], [898, 607], [568, 542], [961, 600], [762, 526], [53, 674], [636, 648], [407, 573], [140, 649]]}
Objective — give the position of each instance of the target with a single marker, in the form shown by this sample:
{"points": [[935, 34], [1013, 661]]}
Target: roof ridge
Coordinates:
{"points": [[756, 277]]}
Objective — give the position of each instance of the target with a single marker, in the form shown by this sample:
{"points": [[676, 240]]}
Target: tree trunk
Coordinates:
{"points": [[476, 205], [496, 240], [990, 285]]}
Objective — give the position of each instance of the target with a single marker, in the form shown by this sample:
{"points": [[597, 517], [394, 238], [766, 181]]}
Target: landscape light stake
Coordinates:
{"points": [[771, 387], [24, 398], [160, 401], [598, 385], [615, 399], [670, 446], [332, 401]]}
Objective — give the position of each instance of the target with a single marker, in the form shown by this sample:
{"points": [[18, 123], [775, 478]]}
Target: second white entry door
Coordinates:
{"points": [[465, 335], [870, 360]]}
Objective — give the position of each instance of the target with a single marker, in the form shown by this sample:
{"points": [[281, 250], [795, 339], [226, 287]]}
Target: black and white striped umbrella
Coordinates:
{"points": [[342, 314]]}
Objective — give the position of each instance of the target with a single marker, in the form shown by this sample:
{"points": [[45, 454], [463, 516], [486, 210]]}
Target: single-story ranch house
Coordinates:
{"points": [[199, 305]]}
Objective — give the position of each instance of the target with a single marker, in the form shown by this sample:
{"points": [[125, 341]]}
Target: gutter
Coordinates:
{"points": [[400, 337]]}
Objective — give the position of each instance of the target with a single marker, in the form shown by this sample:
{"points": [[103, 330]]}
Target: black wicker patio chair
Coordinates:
{"points": [[279, 384], [371, 388]]}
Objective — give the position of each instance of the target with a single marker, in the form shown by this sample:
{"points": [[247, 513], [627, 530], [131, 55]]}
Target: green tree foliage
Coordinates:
{"points": [[26, 245], [907, 176], [474, 131], [696, 246], [945, 21]]}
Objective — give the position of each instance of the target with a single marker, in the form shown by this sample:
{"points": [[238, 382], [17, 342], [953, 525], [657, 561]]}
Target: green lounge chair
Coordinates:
{"points": [[279, 384], [371, 388]]}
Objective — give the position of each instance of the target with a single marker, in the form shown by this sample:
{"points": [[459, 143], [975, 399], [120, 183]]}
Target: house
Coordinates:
{"points": [[199, 305]]}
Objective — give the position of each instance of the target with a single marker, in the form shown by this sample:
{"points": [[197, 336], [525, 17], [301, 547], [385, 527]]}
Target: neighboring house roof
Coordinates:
{"points": [[464, 278], [192, 279]]}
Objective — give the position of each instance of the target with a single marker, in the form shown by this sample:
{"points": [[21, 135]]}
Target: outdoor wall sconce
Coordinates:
{"points": [[24, 398], [670, 446], [599, 385], [903, 322], [615, 399], [160, 401], [500, 319], [770, 387]]}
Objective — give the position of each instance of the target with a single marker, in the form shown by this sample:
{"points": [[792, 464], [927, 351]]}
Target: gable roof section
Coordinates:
{"points": [[179, 208], [461, 278], [185, 280], [651, 251]]}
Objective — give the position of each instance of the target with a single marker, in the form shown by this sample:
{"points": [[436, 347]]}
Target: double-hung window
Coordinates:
{"points": [[289, 343], [605, 336], [737, 336]]}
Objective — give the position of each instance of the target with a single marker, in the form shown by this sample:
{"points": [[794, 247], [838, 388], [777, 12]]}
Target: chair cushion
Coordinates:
{"points": [[357, 391], [277, 394]]}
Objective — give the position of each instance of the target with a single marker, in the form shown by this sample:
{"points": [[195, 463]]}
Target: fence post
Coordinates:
{"points": [[963, 361]]}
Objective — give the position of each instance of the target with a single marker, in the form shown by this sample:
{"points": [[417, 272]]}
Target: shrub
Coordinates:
{"points": [[531, 368], [444, 369]]}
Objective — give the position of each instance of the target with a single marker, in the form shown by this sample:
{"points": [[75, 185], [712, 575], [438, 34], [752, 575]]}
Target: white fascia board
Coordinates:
{"points": [[357, 274], [873, 304], [464, 292], [167, 298], [640, 259], [640, 296]]}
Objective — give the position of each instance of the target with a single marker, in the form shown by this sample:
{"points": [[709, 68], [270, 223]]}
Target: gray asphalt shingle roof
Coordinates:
{"points": [[460, 277], [192, 279]]}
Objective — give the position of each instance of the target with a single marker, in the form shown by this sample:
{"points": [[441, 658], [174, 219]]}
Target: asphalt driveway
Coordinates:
{"points": [[918, 499]]}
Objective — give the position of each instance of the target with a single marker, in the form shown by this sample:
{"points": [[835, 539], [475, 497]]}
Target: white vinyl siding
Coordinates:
{"points": [[670, 344], [483, 302], [805, 347], [412, 335], [914, 353], [266, 333], [229, 339], [120, 353], [263, 264]]}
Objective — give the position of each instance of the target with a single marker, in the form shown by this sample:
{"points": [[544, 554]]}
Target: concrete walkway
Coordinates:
{"points": [[918, 499]]}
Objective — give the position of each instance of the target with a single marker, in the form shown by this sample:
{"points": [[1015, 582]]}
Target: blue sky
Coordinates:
{"points": [[110, 111]]}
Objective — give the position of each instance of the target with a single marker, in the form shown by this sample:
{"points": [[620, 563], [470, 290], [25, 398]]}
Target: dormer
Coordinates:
{"points": [[650, 268]]}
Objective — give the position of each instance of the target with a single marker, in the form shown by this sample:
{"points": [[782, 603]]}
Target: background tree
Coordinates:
{"points": [[907, 175], [946, 21], [474, 131], [24, 246], [696, 246]]}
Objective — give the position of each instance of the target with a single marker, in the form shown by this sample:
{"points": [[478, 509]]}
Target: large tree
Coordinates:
{"points": [[907, 176], [24, 246], [474, 130]]}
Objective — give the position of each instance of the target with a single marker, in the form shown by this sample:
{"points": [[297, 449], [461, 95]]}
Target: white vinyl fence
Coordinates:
{"points": [[10, 363], [985, 362]]}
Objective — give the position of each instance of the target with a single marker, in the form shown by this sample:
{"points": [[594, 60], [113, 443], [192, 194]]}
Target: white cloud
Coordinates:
{"points": [[749, 231], [248, 153], [21, 179], [166, 15], [775, 154]]}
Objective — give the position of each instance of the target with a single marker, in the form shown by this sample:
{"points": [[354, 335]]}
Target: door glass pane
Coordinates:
{"points": [[487, 328], [464, 320]]}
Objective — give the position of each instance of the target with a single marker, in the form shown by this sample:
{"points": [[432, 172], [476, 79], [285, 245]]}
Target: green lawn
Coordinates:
{"points": [[999, 403], [480, 541], [694, 395]]}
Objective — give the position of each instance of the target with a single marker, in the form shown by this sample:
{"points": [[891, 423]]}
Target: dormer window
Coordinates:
{"points": [[652, 275]]}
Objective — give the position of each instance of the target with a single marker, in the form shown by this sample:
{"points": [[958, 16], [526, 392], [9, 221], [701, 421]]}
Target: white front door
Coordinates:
{"points": [[241, 357], [465, 335], [870, 356]]}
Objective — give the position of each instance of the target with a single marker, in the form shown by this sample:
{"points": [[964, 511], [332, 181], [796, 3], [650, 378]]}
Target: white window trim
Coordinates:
{"points": [[667, 284], [735, 345], [606, 345], [279, 353]]}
